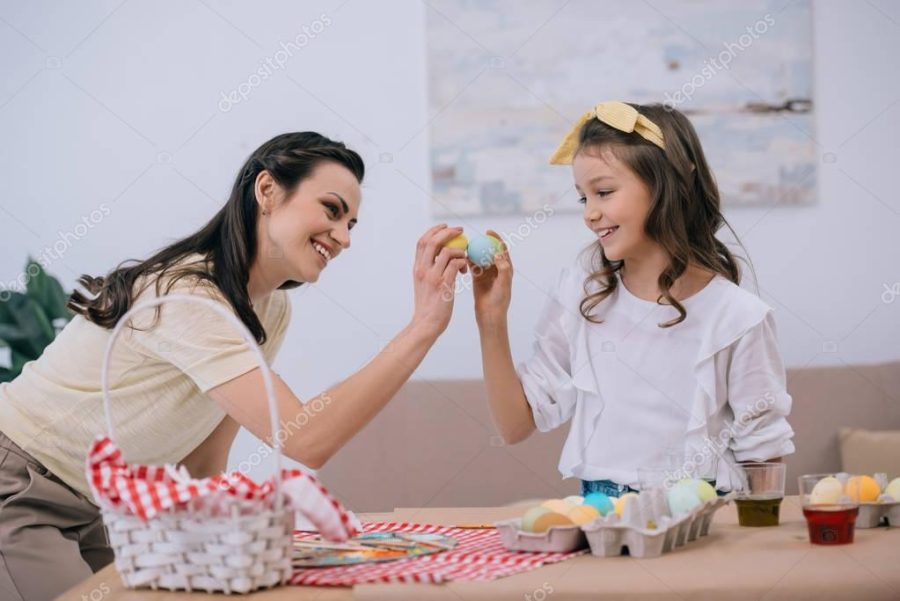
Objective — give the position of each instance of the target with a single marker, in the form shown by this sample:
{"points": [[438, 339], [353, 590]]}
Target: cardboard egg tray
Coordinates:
{"points": [[557, 539], [871, 515], [609, 535]]}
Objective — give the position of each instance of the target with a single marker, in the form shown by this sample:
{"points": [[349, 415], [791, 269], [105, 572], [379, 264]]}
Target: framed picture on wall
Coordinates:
{"points": [[506, 80]]}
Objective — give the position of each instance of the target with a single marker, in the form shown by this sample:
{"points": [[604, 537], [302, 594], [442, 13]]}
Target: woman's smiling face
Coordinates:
{"points": [[306, 230], [616, 203]]}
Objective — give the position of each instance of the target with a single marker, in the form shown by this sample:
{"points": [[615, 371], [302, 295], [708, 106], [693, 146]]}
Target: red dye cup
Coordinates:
{"points": [[829, 509]]}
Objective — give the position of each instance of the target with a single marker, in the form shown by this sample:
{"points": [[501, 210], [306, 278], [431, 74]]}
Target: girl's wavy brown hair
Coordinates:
{"points": [[685, 208], [227, 244]]}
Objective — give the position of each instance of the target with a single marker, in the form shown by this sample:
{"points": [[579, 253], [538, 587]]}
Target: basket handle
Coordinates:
{"points": [[245, 333]]}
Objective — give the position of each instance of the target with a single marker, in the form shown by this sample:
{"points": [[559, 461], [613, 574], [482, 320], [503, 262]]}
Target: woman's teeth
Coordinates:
{"points": [[322, 251], [604, 233]]}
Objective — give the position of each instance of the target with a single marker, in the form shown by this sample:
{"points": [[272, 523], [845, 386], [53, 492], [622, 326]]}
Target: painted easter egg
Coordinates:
{"points": [[547, 520], [827, 491], [481, 250], [862, 489], [704, 489], [460, 242], [682, 498], [583, 514], [600, 501], [620, 502], [893, 490], [557, 505], [531, 515]]}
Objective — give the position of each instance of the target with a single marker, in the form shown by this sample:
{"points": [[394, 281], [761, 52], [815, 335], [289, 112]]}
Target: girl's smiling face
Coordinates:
{"points": [[616, 203]]}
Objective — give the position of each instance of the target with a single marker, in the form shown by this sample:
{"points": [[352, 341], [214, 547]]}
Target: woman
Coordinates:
{"points": [[182, 380]]}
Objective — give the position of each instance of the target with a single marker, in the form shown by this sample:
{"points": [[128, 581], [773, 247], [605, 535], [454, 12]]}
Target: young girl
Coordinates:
{"points": [[649, 346], [181, 385]]}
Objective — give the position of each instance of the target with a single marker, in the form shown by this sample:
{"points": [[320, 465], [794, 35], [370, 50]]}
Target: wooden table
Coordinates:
{"points": [[731, 563]]}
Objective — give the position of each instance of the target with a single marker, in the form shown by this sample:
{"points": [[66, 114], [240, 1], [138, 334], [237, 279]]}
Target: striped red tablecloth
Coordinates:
{"points": [[478, 555]]}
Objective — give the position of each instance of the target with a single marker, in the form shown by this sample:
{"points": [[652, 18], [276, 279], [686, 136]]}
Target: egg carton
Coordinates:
{"points": [[609, 535], [871, 515], [874, 514], [557, 539]]}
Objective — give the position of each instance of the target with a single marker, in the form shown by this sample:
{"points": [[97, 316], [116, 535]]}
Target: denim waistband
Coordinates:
{"points": [[613, 489]]}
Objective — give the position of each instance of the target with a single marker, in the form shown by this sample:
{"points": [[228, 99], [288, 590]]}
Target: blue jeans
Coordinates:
{"points": [[611, 489], [607, 487]]}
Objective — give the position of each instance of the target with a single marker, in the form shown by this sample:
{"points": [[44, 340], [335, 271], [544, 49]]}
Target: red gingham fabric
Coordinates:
{"points": [[478, 555], [146, 491]]}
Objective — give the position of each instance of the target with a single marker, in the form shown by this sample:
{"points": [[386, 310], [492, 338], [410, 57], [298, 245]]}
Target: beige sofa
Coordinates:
{"points": [[435, 445]]}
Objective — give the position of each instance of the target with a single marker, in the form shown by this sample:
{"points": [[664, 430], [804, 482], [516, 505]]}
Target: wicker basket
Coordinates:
{"points": [[196, 547]]}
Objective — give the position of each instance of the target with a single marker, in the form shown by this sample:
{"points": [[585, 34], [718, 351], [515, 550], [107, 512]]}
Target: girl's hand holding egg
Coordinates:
{"points": [[492, 273]]}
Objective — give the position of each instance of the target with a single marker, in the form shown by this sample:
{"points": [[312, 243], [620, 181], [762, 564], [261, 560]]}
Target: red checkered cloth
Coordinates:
{"points": [[478, 555], [146, 491]]}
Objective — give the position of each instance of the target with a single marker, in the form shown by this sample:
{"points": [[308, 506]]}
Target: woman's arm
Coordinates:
{"points": [[492, 288], [313, 433]]}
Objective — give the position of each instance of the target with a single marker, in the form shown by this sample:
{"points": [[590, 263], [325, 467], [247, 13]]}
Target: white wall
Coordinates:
{"points": [[114, 107]]}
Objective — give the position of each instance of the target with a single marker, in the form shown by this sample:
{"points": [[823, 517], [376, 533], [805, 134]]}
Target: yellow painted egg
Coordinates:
{"points": [[827, 491], [582, 514], [703, 488], [460, 242], [531, 515], [862, 489], [620, 502], [557, 505], [705, 491], [893, 490], [547, 520]]}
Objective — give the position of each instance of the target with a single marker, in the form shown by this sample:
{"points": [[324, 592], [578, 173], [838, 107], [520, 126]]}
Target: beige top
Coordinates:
{"points": [[158, 379]]}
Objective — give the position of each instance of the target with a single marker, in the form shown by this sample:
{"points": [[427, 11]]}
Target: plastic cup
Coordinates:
{"points": [[829, 510], [759, 501]]}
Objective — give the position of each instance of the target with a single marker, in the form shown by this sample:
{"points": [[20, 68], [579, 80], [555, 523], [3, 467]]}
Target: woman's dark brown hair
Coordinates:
{"points": [[227, 243], [685, 209]]}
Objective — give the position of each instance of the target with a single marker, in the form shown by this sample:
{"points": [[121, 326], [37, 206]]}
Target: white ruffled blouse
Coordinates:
{"points": [[696, 397]]}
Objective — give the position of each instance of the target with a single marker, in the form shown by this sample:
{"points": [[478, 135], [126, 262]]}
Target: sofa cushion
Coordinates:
{"points": [[870, 451]]}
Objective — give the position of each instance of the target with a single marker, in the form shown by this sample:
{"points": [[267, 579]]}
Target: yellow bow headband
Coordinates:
{"points": [[619, 115]]}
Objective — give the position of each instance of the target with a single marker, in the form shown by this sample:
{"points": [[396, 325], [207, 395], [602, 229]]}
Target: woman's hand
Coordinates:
{"points": [[492, 287], [434, 278]]}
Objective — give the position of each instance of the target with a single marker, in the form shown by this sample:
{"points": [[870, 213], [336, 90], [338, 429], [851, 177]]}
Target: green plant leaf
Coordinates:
{"points": [[11, 362], [46, 291], [31, 331], [5, 310], [5, 355], [18, 362]]}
